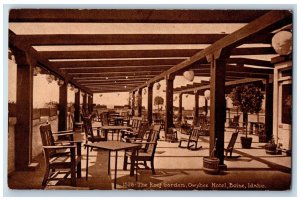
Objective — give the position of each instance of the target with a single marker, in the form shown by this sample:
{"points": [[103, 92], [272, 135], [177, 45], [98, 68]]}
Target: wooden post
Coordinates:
{"points": [[196, 110], [90, 103], [206, 107], [140, 102], [84, 104], [269, 110], [24, 101], [217, 106], [133, 103], [77, 107], [169, 102], [150, 103], [63, 107], [180, 108]]}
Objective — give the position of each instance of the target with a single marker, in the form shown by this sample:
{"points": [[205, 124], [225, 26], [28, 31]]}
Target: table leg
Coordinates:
{"points": [[116, 163], [108, 162], [87, 163], [137, 164]]}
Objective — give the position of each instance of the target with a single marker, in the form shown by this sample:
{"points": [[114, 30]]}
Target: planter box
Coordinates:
{"points": [[211, 165]]}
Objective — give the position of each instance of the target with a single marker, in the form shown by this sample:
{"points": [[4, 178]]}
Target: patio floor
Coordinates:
{"points": [[176, 169]]}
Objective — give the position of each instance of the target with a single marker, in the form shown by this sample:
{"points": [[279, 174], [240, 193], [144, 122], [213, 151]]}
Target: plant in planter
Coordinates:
{"points": [[272, 148], [248, 98], [211, 163]]}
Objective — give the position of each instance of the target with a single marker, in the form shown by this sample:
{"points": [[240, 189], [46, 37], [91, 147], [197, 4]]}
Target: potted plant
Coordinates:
{"points": [[248, 98], [272, 148], [211, 163]]}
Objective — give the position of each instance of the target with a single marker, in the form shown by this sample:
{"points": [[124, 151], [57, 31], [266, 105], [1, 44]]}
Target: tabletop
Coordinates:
{"points": [[112, 145], [114, 127]]}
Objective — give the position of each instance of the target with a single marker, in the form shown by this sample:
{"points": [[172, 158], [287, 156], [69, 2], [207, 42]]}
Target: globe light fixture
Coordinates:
{"points": [[49, 78], [282, 42], [207, 94], [189, 75], [60, 82], [75, 90]]}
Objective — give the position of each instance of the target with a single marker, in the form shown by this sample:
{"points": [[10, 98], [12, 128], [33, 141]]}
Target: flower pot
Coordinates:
{"points": [[271, 149], [246, 142], [211, 165]]}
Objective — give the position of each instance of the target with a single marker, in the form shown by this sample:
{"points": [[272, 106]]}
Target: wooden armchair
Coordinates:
{"points": [[231, 144], [146, 153], [77, 125], [234, 123], [60, 155], [192, 141], [135, 126], [89, 132], [171, 136], [139, 136]]}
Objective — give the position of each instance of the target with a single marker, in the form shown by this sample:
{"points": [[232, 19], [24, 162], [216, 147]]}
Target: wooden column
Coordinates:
{"points": [[206, 107], [150, 103], [196, 110], [217, 106], [90, 103], [24, 102], [180, 108], [133, 103], [84, 103], [77, 107], [139, 102], [63, 107], [169, 102], [269, 110]]}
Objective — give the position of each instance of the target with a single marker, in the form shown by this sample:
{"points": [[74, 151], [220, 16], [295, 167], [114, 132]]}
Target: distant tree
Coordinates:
{"points": [[158, 100]]}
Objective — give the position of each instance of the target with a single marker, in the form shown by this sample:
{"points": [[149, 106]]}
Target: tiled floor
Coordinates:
{"points": [[177, 168]]}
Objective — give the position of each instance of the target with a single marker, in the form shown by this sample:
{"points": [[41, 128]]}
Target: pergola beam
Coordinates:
{"points": [[127, 39], [230, 83], [110, 70], [133, 16], [267, 22], [111, 63], [101, 54]]}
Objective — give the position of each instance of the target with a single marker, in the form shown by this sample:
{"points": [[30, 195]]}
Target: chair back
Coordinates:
{"points": [[105, 118], [88, 128], [144, 127], [232, 140], [47, 138], [195, 134], [135, 123], [153, 137]]}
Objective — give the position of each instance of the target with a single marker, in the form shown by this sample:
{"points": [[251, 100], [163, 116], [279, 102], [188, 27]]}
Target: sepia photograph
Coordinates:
{"points": [[150, 99]]}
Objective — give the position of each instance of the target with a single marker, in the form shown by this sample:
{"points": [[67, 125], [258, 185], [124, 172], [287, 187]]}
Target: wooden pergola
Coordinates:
{"points": [[224, 58]]}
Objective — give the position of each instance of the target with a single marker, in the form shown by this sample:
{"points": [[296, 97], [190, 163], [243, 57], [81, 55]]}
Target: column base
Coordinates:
{"points": [[223, 167], [33, 166]]}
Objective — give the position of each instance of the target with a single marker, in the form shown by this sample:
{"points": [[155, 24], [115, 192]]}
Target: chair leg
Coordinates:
{"points": [[46, 177], [78, 170], [73, 176], [125, 162], [152, 166], [132, 164]]}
